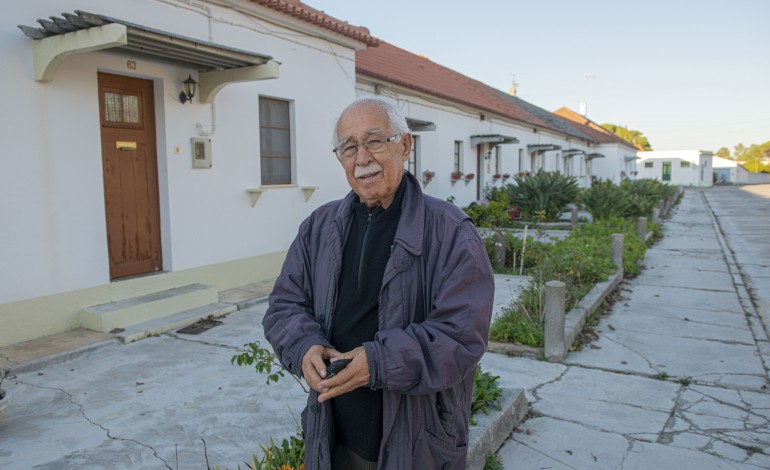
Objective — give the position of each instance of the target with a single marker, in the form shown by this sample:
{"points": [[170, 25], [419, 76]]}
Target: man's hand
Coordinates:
{"points": [[355, 375], [314, 367]]}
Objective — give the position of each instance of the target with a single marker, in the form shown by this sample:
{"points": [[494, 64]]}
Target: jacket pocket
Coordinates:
{"points": [[432, 452]]}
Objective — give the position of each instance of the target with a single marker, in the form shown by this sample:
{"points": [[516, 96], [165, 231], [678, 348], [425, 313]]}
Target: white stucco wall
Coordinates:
{"points": [[53, 233], [699, 172], [614, 165]]}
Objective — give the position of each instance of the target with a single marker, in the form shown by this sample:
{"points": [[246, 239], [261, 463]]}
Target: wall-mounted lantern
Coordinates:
{"points": [[189, 90]]}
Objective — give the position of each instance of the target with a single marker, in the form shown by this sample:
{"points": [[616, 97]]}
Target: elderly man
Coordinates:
{"points": [[399, 283]]}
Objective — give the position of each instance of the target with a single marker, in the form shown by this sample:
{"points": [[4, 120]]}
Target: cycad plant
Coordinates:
{"points": [[643, 196], [544, 192], [605, 199]]}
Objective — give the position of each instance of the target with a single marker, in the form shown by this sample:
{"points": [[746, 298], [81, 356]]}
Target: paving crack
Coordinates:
{"points": [[535, 390], [94, 423], [200, 341]]}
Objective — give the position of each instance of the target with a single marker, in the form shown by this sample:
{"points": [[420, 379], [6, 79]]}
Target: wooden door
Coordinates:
{"points": [[129, 162]]}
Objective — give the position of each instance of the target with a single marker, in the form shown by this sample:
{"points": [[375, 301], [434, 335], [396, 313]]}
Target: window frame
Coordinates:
{"points": [[289, 127], [413, 166], [458, 155]]}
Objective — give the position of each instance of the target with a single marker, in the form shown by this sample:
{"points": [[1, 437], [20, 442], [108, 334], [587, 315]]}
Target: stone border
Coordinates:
{"points": [[491, 430]]}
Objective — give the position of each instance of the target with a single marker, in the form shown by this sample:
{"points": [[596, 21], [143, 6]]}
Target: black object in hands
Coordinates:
{"points": [[336, 366]]}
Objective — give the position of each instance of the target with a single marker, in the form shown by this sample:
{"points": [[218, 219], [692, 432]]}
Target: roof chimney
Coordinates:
{"points": [[583, 109], [512, 89]]}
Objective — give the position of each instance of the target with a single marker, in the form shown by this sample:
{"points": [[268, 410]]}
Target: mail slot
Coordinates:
{"points": [[122, 145]]}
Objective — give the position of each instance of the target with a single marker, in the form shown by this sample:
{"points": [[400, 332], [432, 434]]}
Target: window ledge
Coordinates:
{"points": [[255, 193]]}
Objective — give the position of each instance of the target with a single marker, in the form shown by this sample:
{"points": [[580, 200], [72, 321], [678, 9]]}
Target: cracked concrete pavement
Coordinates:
{"points": [[678, 377]]}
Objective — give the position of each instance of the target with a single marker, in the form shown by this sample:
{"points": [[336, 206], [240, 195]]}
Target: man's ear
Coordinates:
{"points": [[407, 142]]}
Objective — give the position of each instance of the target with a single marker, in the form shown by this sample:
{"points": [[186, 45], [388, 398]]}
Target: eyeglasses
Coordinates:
{"points": [[350, 150]]}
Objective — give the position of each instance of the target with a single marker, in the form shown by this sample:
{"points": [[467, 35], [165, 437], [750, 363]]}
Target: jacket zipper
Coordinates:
{"points": [[363, 249]]}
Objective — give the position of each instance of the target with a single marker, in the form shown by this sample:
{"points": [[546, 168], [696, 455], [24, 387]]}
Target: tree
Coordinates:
{"points": [[724, 153], [757, 157], [629, 135], [740, 152]]}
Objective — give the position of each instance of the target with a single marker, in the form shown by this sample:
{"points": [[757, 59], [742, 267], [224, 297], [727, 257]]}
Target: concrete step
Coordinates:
{"points": [[124, 313], [166, 323]]}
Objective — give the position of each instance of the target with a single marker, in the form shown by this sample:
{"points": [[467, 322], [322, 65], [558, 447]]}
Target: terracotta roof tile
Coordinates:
{"points": [[395, 65], [590, 128], [297, 9]]}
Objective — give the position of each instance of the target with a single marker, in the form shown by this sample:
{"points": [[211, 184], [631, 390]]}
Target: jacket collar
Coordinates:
{"points": [[411, 224]]}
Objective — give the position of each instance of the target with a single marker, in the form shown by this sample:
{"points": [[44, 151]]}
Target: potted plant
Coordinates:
{"points": [[5, 395], [427, 176], [456, 175], [497, 176], [469, 176], [506, 176]]}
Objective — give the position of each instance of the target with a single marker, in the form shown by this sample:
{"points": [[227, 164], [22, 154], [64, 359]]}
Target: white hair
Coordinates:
{"points": [[396, 120]]}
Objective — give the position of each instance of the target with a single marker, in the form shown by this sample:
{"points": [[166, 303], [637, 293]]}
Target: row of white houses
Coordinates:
{"points": [[118, 186]]}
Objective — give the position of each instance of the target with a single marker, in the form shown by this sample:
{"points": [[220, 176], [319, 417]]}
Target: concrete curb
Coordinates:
{"points": [[491, 431]]}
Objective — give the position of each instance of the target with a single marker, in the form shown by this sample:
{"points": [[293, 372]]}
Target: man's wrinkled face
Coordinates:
{"points": [[373, 177]]}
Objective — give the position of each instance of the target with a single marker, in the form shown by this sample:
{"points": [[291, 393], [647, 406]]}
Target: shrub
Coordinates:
{"points": [[544, 192], [634, 248], [643, 196], [491, 216], [605, 199]]}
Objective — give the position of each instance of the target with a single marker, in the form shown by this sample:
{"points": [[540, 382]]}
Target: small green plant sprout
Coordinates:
{"points": [[486, 393], [661, 376], [264, 362], [493, 463], [685, 381]]}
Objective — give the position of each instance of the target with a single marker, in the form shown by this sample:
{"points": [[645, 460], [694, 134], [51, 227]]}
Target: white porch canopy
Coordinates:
{"points": [[217, 65], [496, 139]]}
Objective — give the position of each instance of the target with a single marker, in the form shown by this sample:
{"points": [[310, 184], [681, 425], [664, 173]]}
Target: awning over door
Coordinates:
{"points": [[416, 125], [569, 153], [542, 147], [492, 139], [59, 38], [631, 158], [591, 156]]}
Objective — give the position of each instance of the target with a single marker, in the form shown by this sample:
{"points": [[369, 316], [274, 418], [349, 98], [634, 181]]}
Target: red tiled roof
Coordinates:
{"points": [[591, 128], [395, 65], [299, 10]]}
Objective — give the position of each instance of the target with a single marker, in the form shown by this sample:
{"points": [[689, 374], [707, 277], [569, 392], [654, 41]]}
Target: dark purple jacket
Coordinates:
{"points": [[435, 307]]}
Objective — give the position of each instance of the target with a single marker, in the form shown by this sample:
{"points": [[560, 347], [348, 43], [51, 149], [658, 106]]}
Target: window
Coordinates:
{"points": [[458, 161], [275, 141], [521, 160], [413, 156], [684, 164], [648, 164], [498, 163]]}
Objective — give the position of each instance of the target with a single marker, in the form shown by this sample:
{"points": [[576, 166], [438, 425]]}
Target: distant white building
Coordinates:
{"points": [[728, 171], [677, 167]]}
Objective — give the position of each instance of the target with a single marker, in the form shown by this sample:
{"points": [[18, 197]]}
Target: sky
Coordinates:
{"points": [[688, 74]]}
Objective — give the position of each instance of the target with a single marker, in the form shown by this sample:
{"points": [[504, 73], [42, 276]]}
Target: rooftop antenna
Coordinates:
{"points": [[583, 108]]}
